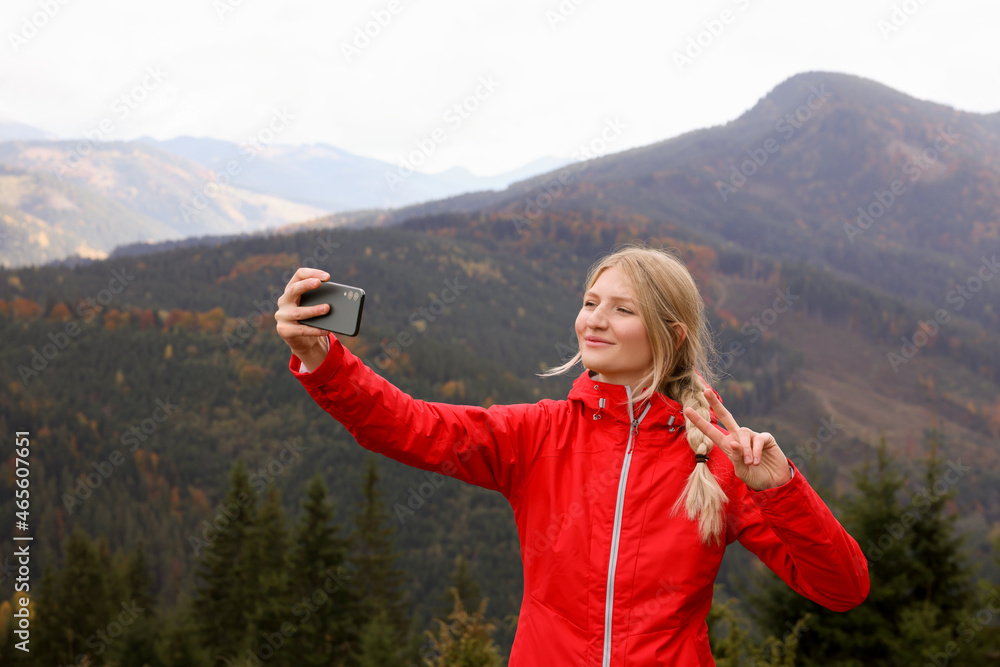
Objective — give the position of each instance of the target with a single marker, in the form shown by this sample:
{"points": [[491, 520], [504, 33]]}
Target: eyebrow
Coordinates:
{"points": [[623, 299]]}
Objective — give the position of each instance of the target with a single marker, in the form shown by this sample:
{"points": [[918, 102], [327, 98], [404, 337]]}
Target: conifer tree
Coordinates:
{"points": [[175, 646], [944, 578], [917, 572], [138, 644], [378, 582], [324, 610], [378, 645], [463, 639], [271, 617], [74, 606], [224, 602], [466, 586]]}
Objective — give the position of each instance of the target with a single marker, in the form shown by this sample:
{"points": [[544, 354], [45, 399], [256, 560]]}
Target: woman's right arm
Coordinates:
{"points": [[489, 447]]}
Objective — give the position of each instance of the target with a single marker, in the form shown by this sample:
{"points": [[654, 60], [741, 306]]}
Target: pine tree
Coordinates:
{"points": [[463, 582], [944, 578], [224, 602], [174, 647], [377, 581], [919, 578], [324, 610], [378, 645], [74, 606], [463, 639], [138, 644], [269, 569]]}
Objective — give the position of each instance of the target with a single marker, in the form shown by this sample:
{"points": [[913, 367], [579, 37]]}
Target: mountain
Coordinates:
{"points": [[336, 180], [825, 341], [80, 199], [84, 198], [11, 130], [812, 184]]}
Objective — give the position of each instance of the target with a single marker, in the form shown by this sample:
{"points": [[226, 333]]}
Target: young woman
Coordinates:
{"points": [[625, 494]]}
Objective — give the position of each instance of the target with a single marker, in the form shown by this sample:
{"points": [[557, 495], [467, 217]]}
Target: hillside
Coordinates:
{"points": [[78, 200], [57, 198], [336, 180], [187, 330], [879, 340], [801, 202]]}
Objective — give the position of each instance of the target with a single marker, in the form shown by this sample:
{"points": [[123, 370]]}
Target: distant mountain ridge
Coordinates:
{"points": [[337, 180], [96, 196], [804, 188], [93, 197]]}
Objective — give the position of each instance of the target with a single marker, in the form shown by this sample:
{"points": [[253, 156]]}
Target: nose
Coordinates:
{"points": [[597, 319]]}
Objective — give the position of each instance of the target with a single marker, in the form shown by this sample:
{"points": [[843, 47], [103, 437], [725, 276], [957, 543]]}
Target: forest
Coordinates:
{"points": [[157, 394]]}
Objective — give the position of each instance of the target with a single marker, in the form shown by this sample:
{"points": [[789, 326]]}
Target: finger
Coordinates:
{"points": [[747, 439], [709, 429], [759, 441], [287, 330], [304, 272], [721, 412], [296, 289]]}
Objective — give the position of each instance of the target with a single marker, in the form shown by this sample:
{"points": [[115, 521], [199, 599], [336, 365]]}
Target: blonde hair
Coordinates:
{"points": [[664, 293]]}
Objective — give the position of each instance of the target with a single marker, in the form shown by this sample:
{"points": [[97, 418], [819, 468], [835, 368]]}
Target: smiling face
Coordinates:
{"points": [[612, 337]]}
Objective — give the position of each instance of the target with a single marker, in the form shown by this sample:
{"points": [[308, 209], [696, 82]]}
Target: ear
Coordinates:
{"points": [[681, 330]]}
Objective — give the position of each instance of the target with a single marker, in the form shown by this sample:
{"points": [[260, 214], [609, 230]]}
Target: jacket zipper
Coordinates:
{"points": [[615, 534]]}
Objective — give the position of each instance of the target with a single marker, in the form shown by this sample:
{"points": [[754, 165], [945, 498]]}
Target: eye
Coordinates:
{"points": [[587, 304], [625, 310]]}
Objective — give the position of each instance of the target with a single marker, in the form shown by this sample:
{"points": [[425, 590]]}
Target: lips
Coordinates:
{"points": [[596, 342]]}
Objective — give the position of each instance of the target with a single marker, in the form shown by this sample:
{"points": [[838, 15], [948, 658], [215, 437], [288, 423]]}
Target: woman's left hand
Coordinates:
{"points": [[756, 457]]}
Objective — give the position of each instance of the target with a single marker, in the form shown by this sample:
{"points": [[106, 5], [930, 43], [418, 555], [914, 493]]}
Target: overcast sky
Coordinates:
{"points": [[533, 78]]}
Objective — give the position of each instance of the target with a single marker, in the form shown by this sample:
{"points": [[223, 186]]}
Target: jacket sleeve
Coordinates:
{"points": [[794, 533], [489, 447]]}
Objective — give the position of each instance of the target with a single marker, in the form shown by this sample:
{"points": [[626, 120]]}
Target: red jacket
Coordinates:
{"points": [[610, 576]]}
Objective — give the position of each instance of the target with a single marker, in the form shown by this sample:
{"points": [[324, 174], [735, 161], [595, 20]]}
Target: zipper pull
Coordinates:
{"points": [[631, 440]]}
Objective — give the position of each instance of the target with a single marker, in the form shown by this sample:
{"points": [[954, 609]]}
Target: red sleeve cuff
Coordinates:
{"points": [[326, 370]]}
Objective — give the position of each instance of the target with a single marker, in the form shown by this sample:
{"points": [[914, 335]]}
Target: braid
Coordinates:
{"points": [[702, 498]]}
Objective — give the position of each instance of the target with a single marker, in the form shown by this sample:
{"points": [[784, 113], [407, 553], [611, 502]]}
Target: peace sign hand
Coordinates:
{"points": [[756, 457]]}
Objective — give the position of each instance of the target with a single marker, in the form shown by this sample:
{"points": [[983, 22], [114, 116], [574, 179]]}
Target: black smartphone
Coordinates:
{"points": [[346, 303]]}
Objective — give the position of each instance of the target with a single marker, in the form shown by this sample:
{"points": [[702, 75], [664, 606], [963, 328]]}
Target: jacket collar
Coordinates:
{"points": [[604, 401]]}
